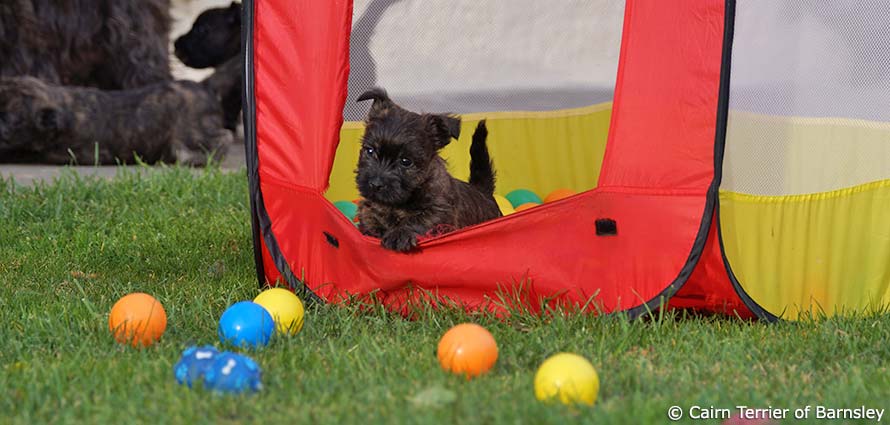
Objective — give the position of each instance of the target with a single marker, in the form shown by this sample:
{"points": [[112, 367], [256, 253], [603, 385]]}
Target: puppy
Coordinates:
{"points": [[215, 41], [176, 121], [406, 188], [214, 38]]}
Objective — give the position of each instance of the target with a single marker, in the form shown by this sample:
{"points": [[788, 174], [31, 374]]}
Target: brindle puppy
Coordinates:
{"points": [[406, 187], [165, 122]]}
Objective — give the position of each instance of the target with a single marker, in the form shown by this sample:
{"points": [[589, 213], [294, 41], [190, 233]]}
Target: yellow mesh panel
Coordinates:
{"points": [[825, 252]]}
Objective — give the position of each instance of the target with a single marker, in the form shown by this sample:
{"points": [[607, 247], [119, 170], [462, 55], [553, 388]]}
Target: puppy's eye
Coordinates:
{"points": [[370, 151], [405, 162]]}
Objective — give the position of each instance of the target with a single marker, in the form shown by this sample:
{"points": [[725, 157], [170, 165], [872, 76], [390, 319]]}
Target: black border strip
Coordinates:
{"points": [[250, 141], [712, 200], [752, 305], [261, 224]]}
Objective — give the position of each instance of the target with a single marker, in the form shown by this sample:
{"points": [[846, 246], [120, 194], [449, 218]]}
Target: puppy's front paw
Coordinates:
{"points": [[401, 239]]}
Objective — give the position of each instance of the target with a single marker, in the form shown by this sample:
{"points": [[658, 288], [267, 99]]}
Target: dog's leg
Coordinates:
{"points": [[402, 238]]}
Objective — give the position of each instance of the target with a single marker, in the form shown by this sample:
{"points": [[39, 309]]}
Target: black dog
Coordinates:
{"points": [[213, 40], [109, 44], [175, 121], [406, 188]]}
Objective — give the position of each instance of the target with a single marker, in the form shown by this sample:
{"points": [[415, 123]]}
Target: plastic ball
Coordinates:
{"points": [[137, 319], [348, 208], [285, 307], [193, 364], [558, 194], [247, 324], [522, 196], [567, 377], [526, 206], [467, 349], [233, 373], [504, 205]]}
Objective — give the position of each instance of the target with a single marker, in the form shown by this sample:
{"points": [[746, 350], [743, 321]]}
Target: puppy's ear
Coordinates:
{"points": [[381, 104], [235, 13], [51, 119], [442, 127]]}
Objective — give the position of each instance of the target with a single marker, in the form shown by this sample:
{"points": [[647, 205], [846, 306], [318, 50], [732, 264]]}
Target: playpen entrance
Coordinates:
{"points": [[653, 182]]}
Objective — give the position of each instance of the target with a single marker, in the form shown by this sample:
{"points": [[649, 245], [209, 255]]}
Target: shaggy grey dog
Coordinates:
{"points": [[110, 44], [174, 121]]}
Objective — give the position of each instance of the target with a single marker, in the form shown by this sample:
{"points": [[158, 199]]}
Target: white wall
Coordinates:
{"points": [[497, 43], [474, 55]]}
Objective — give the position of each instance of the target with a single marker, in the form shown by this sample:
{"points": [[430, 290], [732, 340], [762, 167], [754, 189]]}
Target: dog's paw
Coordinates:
{"points": [[401, 239]]}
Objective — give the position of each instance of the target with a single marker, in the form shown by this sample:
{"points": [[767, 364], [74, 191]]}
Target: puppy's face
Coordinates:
{"points": [[399, 150], [214, 38], [30, 109]]}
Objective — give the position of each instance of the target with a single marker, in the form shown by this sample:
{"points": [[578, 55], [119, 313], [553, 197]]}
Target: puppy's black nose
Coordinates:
{"points": [[375, 183]]}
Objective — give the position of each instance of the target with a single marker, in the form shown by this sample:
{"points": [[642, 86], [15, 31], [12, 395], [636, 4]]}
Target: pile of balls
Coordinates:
{"points": [[139, 320], [523, 199], [467, 349], [514, 201]]}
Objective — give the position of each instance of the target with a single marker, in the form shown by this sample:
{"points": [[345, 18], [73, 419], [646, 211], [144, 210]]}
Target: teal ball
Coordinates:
{"points": [[523, 196], [348, 208]]}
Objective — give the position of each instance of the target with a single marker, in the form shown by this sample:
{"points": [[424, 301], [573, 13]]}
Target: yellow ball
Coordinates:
{"points": [[568, 377], [285, 307], [505, 205]]}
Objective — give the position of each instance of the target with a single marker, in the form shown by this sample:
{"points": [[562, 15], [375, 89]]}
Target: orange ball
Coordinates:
{"points": [[467, 349], [559, 194], [526, 206], [137, 319]]}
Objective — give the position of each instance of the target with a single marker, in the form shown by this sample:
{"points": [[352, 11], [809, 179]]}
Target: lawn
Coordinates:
{"points": [[69, 249]]}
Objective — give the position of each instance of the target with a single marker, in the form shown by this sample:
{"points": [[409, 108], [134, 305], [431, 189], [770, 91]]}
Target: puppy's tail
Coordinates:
{"points": [[481, 168]]}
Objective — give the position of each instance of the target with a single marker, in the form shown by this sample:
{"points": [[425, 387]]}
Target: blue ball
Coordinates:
{"points": [[246, 324], [193, 363], [233, 373]]}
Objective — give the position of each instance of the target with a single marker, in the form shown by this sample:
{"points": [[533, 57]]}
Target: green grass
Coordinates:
{"points": [[70, 249]]}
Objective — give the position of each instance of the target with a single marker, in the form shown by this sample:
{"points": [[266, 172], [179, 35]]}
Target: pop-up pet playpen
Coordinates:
{"points": [[741, 167]]}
